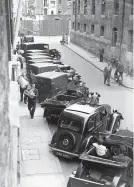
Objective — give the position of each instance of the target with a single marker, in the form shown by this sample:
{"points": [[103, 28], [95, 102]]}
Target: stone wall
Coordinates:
{"points": [[6, 143], [109, 20]]}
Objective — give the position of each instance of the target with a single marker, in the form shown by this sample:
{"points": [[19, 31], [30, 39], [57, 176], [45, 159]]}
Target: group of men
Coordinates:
{"points": [[108, 69]]}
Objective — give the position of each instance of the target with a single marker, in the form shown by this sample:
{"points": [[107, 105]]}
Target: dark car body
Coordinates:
{"points": [[96, 171], [27, 38], [76, 127]]}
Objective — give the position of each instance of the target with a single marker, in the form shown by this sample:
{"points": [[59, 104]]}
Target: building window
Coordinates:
{"points": [[85, 7], [59, 2], [114, 37], [74, 8], [116, 7], [103, 7], [102, 31], [130, 40], [52, 12], [45, 3], [53, 3], [93, 7], [45, 11], [131, 7], [78, 6], [73, 25], [78, 26], [92, 29], [85, 27]]}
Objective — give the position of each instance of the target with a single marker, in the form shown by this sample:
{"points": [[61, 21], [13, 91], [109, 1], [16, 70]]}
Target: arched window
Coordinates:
{"points": [[52, 12], [85, 7], [114, 36], [92, 29], [102, 31]]}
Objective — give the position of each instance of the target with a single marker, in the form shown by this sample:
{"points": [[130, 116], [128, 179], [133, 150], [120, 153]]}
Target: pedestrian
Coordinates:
{"points": [[32, 77], [120, 70], [20, 58], [94, 99], [32, 101], [101, 50], [107, 73], [28, 87], [18, 47], [23, 87]]}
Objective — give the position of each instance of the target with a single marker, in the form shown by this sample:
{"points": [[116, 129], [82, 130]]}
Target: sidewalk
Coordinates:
{"points": [[39, 167], [92, 59]]}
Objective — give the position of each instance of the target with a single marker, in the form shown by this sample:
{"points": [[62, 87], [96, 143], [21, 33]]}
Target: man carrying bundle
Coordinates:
{"points": [[32, 99]]}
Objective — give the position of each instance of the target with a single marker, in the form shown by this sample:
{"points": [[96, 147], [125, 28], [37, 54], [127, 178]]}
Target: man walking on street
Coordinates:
{"points": [[120, 70], [107, 74], [101, 50], [32, 101]]}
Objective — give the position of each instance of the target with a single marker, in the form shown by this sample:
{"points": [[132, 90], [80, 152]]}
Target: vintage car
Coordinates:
{"points": [[49, 84], [94, 171], [53, 107], [77, 125]]}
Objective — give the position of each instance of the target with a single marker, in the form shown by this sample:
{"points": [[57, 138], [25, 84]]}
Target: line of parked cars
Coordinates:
{"points": [[64, 99]]}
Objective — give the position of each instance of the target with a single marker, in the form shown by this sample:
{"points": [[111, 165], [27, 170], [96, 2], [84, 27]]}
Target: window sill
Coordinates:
{"points": [[101, 36]]}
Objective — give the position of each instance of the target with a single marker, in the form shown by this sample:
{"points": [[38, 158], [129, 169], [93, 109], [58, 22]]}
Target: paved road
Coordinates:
{"points": [[118, 97]]}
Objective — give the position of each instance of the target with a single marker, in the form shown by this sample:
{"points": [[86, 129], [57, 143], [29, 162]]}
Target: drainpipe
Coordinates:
{"points": [[122, 27], [17, 24]]}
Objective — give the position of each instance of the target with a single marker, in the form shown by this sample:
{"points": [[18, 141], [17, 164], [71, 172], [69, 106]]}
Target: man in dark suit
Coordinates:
{"points": [[101, 50], [32, 101]]}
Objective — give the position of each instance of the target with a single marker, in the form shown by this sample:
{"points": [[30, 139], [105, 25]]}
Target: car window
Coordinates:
{"points": [[98, 118], [91, 123]]}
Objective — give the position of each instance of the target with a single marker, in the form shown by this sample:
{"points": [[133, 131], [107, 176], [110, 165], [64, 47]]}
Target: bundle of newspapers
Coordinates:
{"points": [[29, 93]]}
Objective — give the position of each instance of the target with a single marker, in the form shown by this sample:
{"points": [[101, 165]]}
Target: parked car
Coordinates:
{"points": [[77, 125], [94, 171], [53, 107], [50, 84]]}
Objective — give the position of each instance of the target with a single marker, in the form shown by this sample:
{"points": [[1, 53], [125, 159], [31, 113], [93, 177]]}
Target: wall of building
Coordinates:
{"points": [[93, 41], [64, 6], [5, 179]]}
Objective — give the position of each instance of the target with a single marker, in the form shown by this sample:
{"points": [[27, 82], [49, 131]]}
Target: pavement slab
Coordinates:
{"points": [[39, 167]]}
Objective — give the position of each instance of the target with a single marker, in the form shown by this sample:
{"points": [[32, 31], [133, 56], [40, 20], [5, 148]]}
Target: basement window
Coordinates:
{"points": [[116, 7], [92, 29], [114, 37], [93, 7], [85, 27], [78, 26], [102, 31]]}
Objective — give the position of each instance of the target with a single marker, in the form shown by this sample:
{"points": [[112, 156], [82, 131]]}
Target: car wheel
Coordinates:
{"points": [[66, 142]]}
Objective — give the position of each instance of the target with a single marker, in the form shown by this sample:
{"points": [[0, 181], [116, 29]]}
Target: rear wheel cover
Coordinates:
{"points": [[66, 141]]}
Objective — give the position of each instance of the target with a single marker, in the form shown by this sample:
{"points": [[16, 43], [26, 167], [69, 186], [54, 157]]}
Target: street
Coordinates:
{"points": [[117, 96]]}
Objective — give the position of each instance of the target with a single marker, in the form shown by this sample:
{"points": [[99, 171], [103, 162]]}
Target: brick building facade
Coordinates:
{"points": [[104, 22]]}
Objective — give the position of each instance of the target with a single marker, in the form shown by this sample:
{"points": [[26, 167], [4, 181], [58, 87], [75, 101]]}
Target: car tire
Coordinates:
{"points": [[66, 141]]}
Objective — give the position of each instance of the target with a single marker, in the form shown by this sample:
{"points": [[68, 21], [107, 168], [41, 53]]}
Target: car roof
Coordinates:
{"points": [[34, 43], [40, 65], [51, 74], [87, 109]]}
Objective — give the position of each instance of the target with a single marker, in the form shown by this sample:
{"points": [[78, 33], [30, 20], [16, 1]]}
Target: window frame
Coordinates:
{"points": [[78, 6], [102, 31], [85, 27], [130, 40], [93, 7], [103, 6], [85, 7], [116, 7], [113, 36], [92, 27]]}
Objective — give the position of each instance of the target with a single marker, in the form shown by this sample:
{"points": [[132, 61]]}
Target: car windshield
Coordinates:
{"points": [[71, 121]]}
